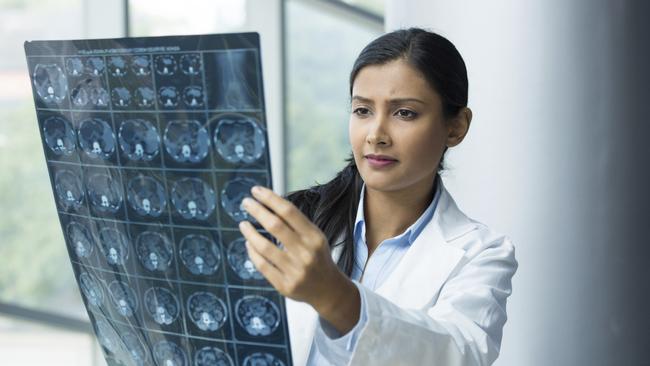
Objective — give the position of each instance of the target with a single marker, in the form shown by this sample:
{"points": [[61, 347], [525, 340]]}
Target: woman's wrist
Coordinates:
{"points": [[340, 305]]}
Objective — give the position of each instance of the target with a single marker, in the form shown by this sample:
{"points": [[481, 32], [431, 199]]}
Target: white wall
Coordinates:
{"points": [[538, 159]]}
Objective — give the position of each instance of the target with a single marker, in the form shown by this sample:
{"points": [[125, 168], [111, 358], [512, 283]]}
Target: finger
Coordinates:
{"points": [[272, 223], [286, 210], [267, 269], [265, 247]]}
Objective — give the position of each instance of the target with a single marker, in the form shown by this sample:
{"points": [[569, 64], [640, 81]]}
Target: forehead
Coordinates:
{"points": [[395, 79]]}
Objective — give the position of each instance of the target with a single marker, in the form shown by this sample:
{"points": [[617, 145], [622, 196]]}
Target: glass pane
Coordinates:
{"points": [[321, 50], [34, 266], [373, 6]]}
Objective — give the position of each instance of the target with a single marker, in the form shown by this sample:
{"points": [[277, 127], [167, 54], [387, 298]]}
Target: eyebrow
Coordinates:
{"points": [[392, 101]]}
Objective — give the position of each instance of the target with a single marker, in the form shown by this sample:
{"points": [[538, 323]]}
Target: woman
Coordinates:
{"points": [[379, 264]]}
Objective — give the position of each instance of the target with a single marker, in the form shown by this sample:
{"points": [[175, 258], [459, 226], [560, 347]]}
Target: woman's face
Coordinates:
{"points": [[395, 113]]}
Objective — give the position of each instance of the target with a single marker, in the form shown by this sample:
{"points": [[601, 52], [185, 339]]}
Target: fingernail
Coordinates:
{"points": [[256, 189], [246, 201]]}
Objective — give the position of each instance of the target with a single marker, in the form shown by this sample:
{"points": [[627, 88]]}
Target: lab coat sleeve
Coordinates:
{"points": [[463, 328]]}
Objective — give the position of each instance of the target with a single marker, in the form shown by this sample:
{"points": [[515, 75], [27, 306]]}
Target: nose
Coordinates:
{"points": [[378, 133]]}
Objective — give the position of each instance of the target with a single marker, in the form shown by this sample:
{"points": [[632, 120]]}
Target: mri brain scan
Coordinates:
{"points": [[212, 356], [232, 196], [141, 65], [50, 83], [135, 348], [199, 254], [59, 135], [165, 65], [80, 96], [161, 305], [104, 192], [107, 336], [96, 138], [168, 97], [139, 139], [79, 239], [117, 66], [240, 262], [207, 311], [121, 97], [169, 354], [114, 245], [146, 196], [74, 66], [69, 189], [95, 66], [123, 298], [257, 315], [91, 289], [239, 140], [144, 97], [98, 96], [193, 198], [193, 96], [154, 250], [262, 359], [187, 141], [191, 64]]}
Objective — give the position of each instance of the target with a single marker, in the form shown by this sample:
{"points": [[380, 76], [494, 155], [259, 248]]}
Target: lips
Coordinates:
{"points": [[380, 157]]}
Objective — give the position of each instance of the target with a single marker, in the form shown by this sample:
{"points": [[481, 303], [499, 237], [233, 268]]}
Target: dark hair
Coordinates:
{"points": [[333, 206]]}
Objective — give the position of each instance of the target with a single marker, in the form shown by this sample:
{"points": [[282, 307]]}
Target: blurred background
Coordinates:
{"points": [[556, 156]]}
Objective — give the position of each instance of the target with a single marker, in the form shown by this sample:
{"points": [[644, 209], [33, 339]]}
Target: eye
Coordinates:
{"points": [[361, 111], [406, 114]]}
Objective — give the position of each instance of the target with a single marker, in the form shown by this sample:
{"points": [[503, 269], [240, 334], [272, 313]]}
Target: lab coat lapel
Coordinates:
{"points": [[431, 258]]}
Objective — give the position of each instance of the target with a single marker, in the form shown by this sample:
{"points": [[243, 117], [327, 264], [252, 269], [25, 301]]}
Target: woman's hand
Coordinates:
{"points": [[304, 269]]}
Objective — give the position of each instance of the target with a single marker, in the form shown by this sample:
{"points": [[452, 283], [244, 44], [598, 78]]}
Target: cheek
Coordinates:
{"points": [[355, 135]]}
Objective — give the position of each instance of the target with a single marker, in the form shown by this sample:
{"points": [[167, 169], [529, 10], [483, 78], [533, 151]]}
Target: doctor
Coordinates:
{"points": [[379, 265]]}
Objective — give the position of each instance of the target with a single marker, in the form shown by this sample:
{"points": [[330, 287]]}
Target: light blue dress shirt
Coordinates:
{"points": [[330, 347]]}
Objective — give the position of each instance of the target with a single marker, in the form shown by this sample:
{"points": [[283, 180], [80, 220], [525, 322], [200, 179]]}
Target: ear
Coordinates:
{"points": [[459, 127]]}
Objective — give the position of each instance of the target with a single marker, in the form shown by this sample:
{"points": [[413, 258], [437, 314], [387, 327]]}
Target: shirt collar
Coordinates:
{"points": [[412, 231]]}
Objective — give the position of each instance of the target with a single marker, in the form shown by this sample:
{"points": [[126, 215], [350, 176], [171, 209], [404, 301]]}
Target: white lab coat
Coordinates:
{"points": [[444, 303]]}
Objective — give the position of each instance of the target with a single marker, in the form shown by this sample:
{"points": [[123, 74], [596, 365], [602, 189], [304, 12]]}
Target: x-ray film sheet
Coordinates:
{"points": [[151, 145]]}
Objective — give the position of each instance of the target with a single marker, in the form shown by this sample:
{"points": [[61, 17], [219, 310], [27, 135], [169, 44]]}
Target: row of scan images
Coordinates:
{"points": [[237, 138], [199, 254], [178, 80], [192, 198], [126, 348]]}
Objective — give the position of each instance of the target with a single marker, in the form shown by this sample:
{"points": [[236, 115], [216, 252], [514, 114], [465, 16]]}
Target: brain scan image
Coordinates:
{"points": [[98, 96], [123, 298], [79, 239], [121, 97], [74, 66], [193, 96], [104, 193], [96, 138], [191, 64], [212, 356], [107, 336], [141, 65], [50, 83], [139, 139], [154, 250], [169, 354], [186, 141], [239, 140], [168, 96], [68, 189], [114, 245], [207, 311], [165, 65], [117, 66], [232, 196], [240, 262], [144, 97], [91, 289], [135, 349], [95, 66], [161, 305], [146, 196], [199, 254], [262, 359], [257, 315], [193, 198], [59, 135], [80, 96]]}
